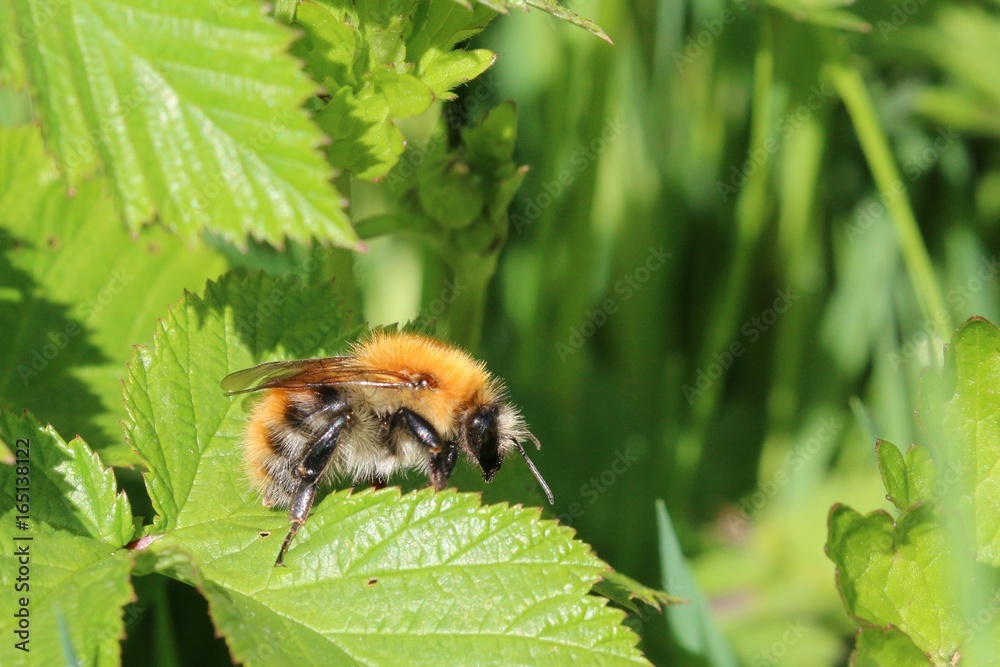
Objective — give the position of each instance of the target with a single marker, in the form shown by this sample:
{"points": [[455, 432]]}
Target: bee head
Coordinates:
{"points": [[482, 430], [491, 430]]}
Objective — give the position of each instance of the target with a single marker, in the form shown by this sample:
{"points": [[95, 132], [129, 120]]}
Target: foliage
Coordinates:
{"points": [[910, 573], [711, 262]]}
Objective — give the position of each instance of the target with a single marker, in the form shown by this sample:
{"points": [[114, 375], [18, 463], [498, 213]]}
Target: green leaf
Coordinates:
{"points": [[960, 408], [76, 314], [238, 323], [450, 193], [490, 143], [893, 469], [908, 481], [420, 578], [691, 625], [384, 61], [12, 67], [898, 573], [548, 6], [626, 591], [823, 13], [442, 71], [192, 108], [77, 524], [877, 647]]}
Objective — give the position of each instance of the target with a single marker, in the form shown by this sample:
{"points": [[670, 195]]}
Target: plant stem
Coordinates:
{"points": [[465, 318], [851, 87]]}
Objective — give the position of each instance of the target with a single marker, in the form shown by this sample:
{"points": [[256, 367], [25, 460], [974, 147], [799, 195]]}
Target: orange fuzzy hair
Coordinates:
{"points": [[268, 413], [457, 377]]}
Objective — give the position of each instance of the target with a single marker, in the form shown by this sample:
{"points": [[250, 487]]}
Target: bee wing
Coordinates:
{"points": [[306, 373]]}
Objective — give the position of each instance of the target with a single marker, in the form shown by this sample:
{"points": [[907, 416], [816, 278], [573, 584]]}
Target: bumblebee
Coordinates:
{"points": [[396, 401]]}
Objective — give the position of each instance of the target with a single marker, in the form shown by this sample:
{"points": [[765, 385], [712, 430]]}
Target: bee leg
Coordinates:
{"points": [[442, 465], [378, 481], [443, 454], [309, 472]]}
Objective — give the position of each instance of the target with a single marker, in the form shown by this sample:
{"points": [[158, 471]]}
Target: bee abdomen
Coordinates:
{"points": [[285, 425]]}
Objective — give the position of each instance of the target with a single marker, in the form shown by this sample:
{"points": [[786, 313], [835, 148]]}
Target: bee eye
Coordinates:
{"points": [[482, 433]]}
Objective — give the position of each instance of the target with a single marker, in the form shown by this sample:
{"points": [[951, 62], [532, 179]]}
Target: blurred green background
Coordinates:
{"points": [[745, 377], [745, 231]]}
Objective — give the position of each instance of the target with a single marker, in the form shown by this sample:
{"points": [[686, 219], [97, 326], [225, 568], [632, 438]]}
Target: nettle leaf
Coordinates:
{"points": [[420, 578], [77, 579], [78, 314], [960, 408], [897, 573], [192, 107], [382, 61]]}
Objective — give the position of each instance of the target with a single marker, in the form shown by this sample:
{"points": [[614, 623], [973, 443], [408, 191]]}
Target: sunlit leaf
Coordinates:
{"points": [[66, 558], [79, 306], [961, 409], [420, 578], [192, 107]]}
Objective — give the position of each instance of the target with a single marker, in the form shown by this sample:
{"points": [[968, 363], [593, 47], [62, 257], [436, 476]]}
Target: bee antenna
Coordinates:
{"points": [[534, 471]]}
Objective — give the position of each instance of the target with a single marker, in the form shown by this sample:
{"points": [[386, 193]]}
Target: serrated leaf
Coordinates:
{"points": [[236, 324], [379, 66], [960, 408], [876, 648], [626, 591], [194, 111], [442, 71], [444, 25], [548, 6], [422, 578], [77, 524], [78, 313], [898, 573]]}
